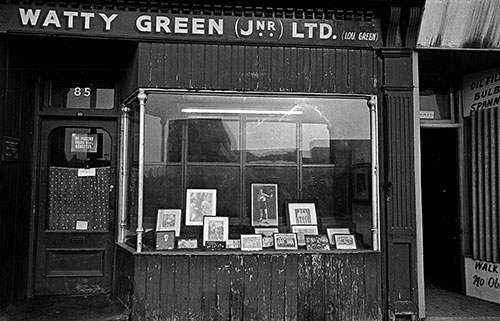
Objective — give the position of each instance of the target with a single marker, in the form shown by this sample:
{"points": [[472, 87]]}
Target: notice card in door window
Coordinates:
{"points": [[83, 143]]}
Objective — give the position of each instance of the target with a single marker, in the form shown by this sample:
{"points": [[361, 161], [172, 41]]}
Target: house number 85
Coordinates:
{"points": [[81, 91]]}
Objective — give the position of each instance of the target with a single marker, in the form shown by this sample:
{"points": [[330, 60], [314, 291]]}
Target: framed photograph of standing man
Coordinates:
{"points": [[264, 205]]}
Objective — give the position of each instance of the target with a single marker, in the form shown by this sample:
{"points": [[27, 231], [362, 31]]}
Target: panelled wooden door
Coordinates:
{"points": [[74, 251]]}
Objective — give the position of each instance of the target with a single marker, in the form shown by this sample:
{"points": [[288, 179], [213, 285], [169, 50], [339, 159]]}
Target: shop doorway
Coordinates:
{"points": [[75, 216], [440, 209]]}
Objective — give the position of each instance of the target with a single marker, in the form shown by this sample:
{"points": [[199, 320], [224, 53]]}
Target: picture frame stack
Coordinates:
{"points": [[303, 219]]}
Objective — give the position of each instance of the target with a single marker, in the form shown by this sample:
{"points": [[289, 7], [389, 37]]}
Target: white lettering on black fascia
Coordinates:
{"points": [[30, 17], [310, 30], [180, 25]]}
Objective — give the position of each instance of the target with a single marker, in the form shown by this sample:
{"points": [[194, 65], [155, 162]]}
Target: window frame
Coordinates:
{"points": [[139, 98]]}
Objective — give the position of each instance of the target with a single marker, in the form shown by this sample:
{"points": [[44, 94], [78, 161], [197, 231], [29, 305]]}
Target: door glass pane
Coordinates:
{"points": [[79, 179]]}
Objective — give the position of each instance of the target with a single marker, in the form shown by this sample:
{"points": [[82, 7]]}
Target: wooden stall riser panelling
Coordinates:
{"points": [[257, 287], [257, 68]]}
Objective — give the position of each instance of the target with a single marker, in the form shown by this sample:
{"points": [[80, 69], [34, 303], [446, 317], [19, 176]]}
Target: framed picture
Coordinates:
{"points": [[215, 245], [169, 220], [251, 242], [316, 242], [215, 228], [361, 182], [330, 232], [267, 241], [345, 242], [187, 244], [285, 241], [165, 240], [264, 205], [302, 212], [233, 244], [200, 203], [302, 230], [266, 231]]}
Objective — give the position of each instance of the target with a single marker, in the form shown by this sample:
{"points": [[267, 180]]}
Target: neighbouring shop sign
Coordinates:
{"points": [[482, 280], [481, 90], [159, 26]]}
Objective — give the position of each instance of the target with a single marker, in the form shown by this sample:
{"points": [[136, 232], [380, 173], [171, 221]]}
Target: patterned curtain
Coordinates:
{"points": [[78, 198]]}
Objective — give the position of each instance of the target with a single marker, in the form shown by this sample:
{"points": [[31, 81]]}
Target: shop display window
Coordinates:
{"points": [[239, 147]]}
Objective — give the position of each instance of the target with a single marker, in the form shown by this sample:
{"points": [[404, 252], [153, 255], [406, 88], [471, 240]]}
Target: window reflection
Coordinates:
{"points": [[213, 140], [271, 142]]}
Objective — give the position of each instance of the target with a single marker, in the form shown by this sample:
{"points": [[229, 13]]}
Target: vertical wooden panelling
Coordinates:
{"points": [[124, 277], [399, 180], [258, 68], [243, 287], [17, 106], [485, 185]]}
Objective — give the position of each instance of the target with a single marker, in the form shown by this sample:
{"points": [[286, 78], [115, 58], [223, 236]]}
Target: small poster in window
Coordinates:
{"points": [[317, 242], [187, 244], [302, 212], [285, 241], [215, 228], [345, 242], [200, 203], [264, 205], [169, 220], [165, 240]]}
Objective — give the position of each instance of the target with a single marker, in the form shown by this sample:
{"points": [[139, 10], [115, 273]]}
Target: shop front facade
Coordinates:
{"points": [[214, 161]]}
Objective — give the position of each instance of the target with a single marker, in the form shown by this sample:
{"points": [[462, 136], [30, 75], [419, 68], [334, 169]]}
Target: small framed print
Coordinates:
{"points": [[316, 242], [303, 230], [215, 228], [187, 244], [233, 244], [330, 232], [165, 240], [302, 212], [267, 241], [200, 203], [266, 231], [251, 242], [264, 205], [285, 241], [345, 242], [169, 220], [215, 245]]}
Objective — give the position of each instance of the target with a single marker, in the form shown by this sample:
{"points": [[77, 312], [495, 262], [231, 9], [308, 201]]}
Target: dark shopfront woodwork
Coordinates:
{"points": [[256, 286]]}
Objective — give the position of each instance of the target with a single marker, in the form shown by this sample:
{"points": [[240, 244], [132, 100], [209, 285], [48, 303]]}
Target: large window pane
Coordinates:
{"points": [[271, 142], [162, 190], [311, 148], [224, 179], [213, 140]]}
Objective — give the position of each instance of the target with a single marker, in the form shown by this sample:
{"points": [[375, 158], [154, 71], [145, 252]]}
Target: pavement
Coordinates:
{"points": [[101, 307]]}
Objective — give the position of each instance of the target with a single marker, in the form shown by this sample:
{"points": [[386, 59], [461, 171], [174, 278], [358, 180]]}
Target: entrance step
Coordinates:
{"points": [[99, 307]]}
